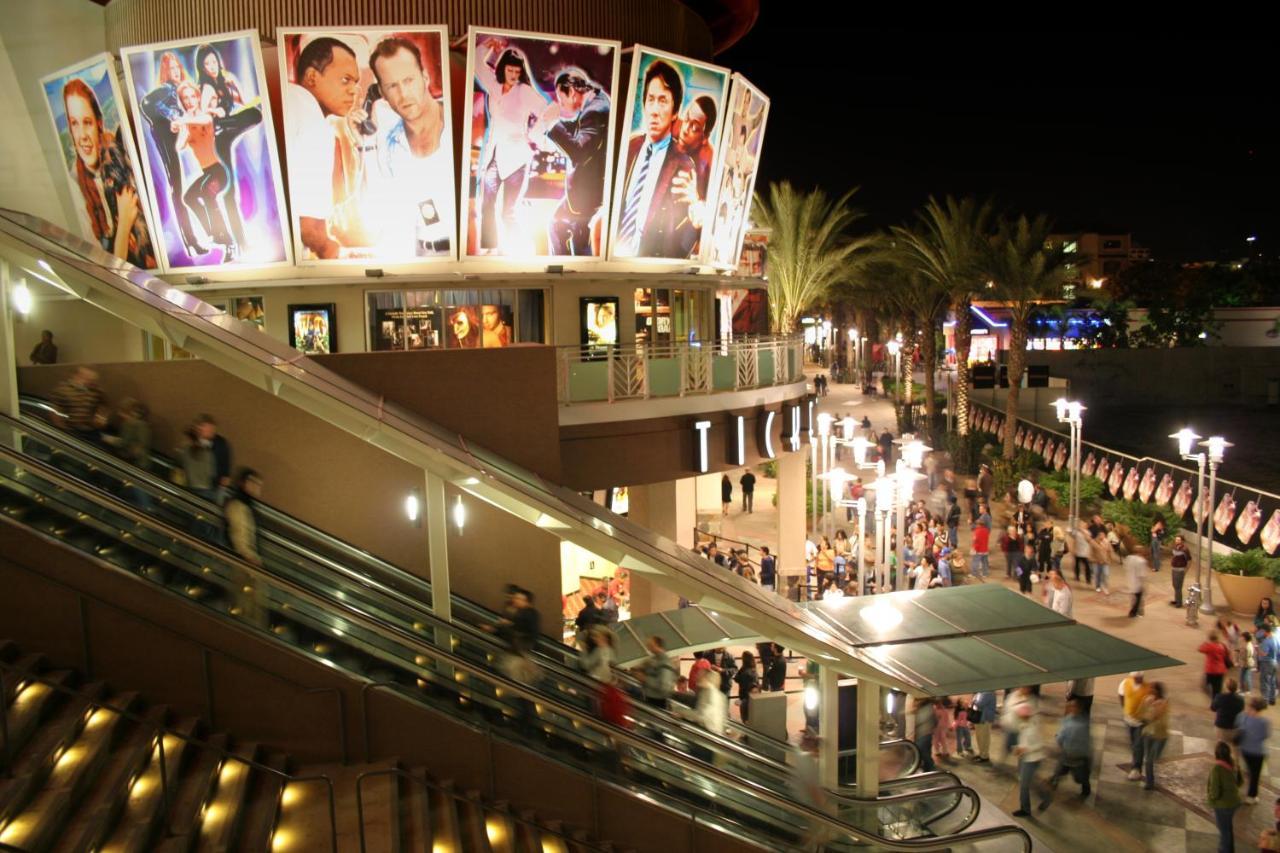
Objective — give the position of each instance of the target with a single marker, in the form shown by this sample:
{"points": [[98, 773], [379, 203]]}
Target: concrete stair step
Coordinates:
{"points": [[96, 815], [445, 824], [304, 822], [18, 667], [144, 813], [500, 828], [262, 809], [223, 818], [32, 766], [34, 705], [75, 771], [195, 790]]}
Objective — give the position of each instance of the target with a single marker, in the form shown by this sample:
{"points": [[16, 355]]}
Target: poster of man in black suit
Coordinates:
{"points": [[581, 132]]}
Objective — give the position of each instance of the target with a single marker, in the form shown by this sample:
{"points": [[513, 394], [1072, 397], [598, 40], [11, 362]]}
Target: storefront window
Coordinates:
{"points": [[454, 319]]}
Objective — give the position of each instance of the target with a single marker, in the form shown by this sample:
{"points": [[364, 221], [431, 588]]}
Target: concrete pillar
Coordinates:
{"points": [[829, 726], [868, 740], [791, 516], [436, 514], [8, 354], [668, 509]]}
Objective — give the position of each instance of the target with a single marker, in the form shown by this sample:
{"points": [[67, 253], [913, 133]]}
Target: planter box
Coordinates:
{"points": [[1243, 593]]}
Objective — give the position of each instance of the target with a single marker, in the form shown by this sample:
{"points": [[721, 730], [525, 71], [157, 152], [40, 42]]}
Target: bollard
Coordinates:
{"points": [[1193, 605]]}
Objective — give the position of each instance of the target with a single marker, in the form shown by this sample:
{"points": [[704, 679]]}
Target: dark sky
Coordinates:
{"points": [[1170, 135]]}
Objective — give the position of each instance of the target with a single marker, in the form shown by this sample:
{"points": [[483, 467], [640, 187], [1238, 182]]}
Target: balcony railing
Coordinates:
{"points": [[645, 371]]}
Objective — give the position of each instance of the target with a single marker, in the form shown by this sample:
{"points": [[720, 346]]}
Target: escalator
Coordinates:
{"points": [[369, 620]]}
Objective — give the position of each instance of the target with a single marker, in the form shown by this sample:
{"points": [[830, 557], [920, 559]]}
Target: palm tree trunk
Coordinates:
{"points": [[1017, 364], [929, 353], [907, 356], [964, 327]]}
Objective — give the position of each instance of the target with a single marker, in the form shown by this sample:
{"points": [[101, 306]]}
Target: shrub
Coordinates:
{"points": [[769, 469], [1006, 475], [1138, 517], [1091, 490], [1253, 563], [965, 450]]}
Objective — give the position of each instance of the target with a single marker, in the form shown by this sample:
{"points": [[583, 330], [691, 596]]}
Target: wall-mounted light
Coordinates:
{"points": [[413, 507], [22, 299], [459, 514], [701, 431]]}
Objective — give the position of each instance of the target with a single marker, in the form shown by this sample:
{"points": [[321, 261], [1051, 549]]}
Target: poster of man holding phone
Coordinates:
{"points": [[369, 144]]}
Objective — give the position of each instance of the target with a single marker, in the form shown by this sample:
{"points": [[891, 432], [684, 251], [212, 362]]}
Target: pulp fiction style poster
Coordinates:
{"points": [[100, 160], [671, 139], [208, 152], [368, 144], [736, 180], [538, 144]]}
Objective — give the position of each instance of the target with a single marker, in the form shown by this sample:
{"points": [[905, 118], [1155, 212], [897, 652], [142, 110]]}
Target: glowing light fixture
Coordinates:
{"points": [[881, 616], [459, 514], [22, 299], [1186, 437]]}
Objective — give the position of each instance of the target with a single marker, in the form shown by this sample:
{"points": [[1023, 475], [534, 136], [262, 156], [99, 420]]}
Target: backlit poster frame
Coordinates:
{"points": [[592, 304], [371, 120], [85, 71], [276, 231], [726, 252], [470, 202], [330, 311], [641, 59]]}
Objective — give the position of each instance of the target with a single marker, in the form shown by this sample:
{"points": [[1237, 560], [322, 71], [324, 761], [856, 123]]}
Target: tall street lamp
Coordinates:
{"points": [[839, 479], [824, 442], [1217, 446], [895, 349], [1070, 413]]}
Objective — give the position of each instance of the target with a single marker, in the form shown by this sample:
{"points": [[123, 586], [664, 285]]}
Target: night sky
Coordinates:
{"points": [[1170, 136]]}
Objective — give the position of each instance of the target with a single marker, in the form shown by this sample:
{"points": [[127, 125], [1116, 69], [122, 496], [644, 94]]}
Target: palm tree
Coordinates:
{"points": [[1026, 271], [947, 246], [810, 247]]}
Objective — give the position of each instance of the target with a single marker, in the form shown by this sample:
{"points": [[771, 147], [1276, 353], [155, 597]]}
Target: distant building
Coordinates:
{"points": [[1107, 254]]}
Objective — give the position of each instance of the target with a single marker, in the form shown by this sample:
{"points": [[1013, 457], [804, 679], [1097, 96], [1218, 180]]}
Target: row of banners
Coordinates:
{"points": [[368, 136], [1148, 481]]}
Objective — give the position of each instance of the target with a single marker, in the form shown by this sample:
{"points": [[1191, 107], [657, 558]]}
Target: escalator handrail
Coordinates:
{"points": [[619, 735], [71, 443]]}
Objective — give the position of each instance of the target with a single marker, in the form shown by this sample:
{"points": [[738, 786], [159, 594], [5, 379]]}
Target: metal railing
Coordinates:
{"points": [[587, 374], [158, 735], [461, 671]]}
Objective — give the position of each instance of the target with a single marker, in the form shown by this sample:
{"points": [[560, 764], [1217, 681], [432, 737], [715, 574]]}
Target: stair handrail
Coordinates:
{"points": [[159, 731], [640, 744], [456, 797]]}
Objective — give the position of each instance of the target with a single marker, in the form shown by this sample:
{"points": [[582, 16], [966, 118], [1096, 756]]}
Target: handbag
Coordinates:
{"points": [[1035, 577]]}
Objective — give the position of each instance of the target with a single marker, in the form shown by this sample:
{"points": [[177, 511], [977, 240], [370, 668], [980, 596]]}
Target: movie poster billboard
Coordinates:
{"points": [[313, 329], [538, 144], [368, 144], [100, 159], [671, 139], [736, 177], [755, 252], [208, 152]]}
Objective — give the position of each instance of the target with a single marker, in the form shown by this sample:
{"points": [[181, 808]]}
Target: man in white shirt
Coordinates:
{"points": [[327, 78], [412, 198], [512, 105]]}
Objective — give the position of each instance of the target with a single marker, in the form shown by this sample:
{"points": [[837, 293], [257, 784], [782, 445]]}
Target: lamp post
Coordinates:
{"points": [[838, 479], [1186, 438], [1217, 446], [855, 354], [1071, 413], [824, 439], [895, 350], [884, 488]]}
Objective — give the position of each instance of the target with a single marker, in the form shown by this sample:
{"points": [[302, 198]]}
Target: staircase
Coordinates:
{"points": [[84, 767]]}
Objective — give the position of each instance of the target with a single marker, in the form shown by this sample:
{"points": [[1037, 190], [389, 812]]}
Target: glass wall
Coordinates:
{"points": [[454, 319], [667, 315]]}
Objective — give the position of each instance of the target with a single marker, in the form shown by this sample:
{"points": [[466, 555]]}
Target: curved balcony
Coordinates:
{"points": [[613, 374]]}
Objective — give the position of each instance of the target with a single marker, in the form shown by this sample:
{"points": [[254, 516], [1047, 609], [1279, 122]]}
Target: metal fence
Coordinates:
{"points": [[597, 374]]}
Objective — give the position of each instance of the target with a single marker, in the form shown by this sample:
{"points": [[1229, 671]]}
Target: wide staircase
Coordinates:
{"points": [[372, 621], [91, 768]]}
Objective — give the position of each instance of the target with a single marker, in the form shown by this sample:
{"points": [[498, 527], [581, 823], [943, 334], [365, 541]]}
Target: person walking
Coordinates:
{"points": [[944, 729], [1155, 731], [964, 731], [1103, 556], [979, 557], [984, 714], [768, 569], [1080, 691], [953, 521], [1157, 538], [1075, 749], [1268, 649], [748, 483], [1266, 614], [1223, 796], [1059, 594], [45, 352], [1024, 568], [1179, 559], [1217, 660], [1030, 751], [241, 533], [1133, 690], [1227, 708], [660, 674], [1011, 546], [1135, 566], [1254, 731], [748, 681], [596, 658], [1248, 662], [726, 494], [926, 720], [1082, 551]]}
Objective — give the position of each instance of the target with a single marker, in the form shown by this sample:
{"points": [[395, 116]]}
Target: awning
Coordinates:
{"points": [[940, 641]]}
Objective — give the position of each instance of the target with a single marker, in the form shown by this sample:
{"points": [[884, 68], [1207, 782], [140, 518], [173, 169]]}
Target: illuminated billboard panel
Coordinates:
{"points": [[538, 144], [208, 152], [736, 179], [101, 162], [368, 144], [669, 156]]}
